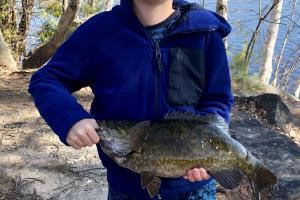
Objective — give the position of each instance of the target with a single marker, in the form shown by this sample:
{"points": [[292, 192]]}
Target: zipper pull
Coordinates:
{"points": [[158, 55]]}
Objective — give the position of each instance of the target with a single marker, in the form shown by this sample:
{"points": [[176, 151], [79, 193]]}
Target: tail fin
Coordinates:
{"points": [[262, 178]]}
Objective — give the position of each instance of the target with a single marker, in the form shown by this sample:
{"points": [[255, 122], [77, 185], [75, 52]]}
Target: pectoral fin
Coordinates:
{"points": [[228, 179], [151, 182], [137, 135]]}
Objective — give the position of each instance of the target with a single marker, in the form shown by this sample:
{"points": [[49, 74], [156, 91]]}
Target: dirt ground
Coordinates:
{"points": [[35, 165]]}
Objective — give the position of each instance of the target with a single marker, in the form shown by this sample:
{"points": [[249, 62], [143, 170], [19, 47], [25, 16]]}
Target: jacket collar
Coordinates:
{"points": [[194, 18]]}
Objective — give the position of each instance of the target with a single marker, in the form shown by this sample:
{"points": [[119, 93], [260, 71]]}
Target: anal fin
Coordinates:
{"points": [[228, 179]]}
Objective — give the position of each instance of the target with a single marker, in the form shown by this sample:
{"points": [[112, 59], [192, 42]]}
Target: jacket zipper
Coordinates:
{"points": [[159, 70], [158, 78], [159, 61]]}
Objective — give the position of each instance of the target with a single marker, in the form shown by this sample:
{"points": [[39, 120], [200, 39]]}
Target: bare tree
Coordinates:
{"points": [[252, 42], [107, 4], [222, 9], [288, 74], [286, 38], [65, 4], [42, 54], [6, 59], [27, 6], [92, 3], [8, 20], [267, 68], [297, 91]]}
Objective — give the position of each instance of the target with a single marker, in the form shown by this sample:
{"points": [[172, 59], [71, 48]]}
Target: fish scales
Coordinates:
{"points": [[170, 147]]}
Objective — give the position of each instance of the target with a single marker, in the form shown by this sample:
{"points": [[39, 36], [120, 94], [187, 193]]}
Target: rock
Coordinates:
{"points": [[270, 107], [277, 151], [287, 190], [277, 112]]}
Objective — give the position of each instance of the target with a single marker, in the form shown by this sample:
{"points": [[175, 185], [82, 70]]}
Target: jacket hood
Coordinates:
{"points": [[194, 18]]}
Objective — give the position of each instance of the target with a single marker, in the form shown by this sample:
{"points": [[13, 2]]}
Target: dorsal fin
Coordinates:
{"points": [[213, 119]]}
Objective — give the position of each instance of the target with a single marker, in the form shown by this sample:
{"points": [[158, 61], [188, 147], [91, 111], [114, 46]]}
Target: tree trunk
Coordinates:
{"points": [[8, 20], [272, 33], [108, 4], [92, 3], [222, 9], [65, 4], [297, 91], [6, 59], [27, 6], [286, 38], [42, 54]]}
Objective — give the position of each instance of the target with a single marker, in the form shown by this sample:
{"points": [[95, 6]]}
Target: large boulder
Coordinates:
{"points": [[270, 107], [273, 147]]}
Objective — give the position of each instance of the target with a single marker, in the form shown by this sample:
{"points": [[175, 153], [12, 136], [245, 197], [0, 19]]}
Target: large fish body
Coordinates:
{"points": [[182, 141]]}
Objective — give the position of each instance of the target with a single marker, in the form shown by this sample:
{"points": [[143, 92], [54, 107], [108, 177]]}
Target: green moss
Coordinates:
{"points": [[47, 31], [55, 8], [242, 82], [247, 84], [238, 67]]}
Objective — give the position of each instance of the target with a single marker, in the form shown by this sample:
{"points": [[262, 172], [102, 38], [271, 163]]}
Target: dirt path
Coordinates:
{"points": [[35, 165]]}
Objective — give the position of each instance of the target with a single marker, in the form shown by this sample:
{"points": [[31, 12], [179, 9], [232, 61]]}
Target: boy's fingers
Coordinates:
{"points": [[196, 174], [79, 143], [74, 141], [75, 146], [85, 139], [95, 124], [204, 173], [190, 176], [68, 141], [94, 137]]}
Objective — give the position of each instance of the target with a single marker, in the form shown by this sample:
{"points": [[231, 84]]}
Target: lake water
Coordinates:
{"points": [[243, 19]]}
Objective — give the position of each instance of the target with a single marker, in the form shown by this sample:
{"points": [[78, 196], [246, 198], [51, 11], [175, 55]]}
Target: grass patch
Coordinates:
{"points": [[248, 85]]}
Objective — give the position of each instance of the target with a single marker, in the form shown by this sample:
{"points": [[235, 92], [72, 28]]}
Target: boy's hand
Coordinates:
{"points": [[83, 134], [197, 174]]}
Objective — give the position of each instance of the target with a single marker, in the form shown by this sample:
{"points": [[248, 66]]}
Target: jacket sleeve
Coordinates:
{"points": [[52, 86], [217, 96]]}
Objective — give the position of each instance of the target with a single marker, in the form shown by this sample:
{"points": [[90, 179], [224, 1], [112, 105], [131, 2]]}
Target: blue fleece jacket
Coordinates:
{"points": [[135, 78]]}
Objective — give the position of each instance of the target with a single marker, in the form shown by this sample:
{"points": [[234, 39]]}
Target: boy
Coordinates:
{"points": [[142, 59]]}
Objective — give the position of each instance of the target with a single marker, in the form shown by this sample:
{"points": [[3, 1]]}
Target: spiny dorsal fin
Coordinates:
{"points": [[213, 119], [228, 179]]}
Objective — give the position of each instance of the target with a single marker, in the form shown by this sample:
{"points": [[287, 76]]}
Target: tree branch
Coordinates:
{"points": [[43, 53]]}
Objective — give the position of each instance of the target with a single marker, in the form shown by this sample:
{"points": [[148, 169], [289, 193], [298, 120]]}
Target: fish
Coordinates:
{"points": [[179, 142]]}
